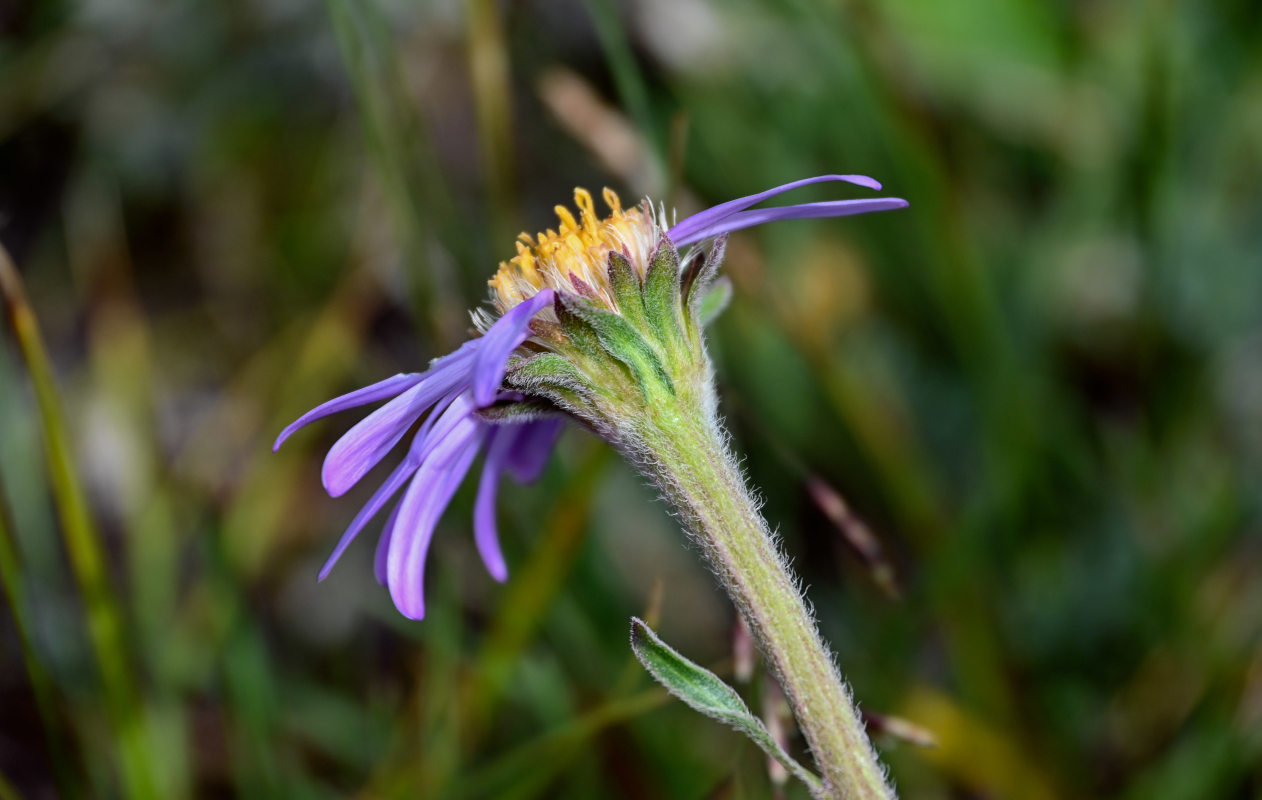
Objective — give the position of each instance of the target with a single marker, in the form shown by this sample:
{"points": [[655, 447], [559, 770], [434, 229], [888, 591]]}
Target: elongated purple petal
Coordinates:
{"points": [[360, 397], [443, 417], [383, 545], [760, 216], [421, 447], [485, 533], [505, 336], [427, 497], [531, 449], [685, 231], [364, 445], [379, 498]]}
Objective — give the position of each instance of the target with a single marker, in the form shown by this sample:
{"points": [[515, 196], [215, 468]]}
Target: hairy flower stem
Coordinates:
{"points": [[688, 459], [630, 362]]}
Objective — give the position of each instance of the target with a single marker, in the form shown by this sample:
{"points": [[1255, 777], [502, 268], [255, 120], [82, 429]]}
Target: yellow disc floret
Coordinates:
{"points": [[575, 257]]}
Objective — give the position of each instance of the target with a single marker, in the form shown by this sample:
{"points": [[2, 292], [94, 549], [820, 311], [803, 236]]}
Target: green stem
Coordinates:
{"points": [[687, 455]]}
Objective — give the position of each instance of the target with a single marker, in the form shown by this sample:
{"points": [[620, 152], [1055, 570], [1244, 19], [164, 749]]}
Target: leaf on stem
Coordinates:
{"points": [[706, 692]]}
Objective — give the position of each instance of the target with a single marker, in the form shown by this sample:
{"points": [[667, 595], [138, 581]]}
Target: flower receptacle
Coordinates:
{"points": [[635, 362]]}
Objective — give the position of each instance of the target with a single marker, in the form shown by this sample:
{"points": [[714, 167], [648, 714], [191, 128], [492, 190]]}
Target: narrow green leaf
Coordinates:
{"points": [[662, 298], [706, 692], [576, 331], [713, 300], [627, 291], [620, 340], [701, 272]]}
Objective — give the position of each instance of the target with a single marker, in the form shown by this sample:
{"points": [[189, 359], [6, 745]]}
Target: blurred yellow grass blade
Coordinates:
{"points": [[120, 356], [7, 790], [406, 164], [602, 129], [876, 416], [984, 759], [526, 771], [492, 98], [626, 74], [433, 752], [83, 543], [529, 595], [263, 490]]}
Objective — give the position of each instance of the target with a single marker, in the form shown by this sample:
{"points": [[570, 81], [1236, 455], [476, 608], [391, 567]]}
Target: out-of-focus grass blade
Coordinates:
{"points": [[526, 771], [432, 759], [249, 675], [65, 772], [903, 730], [311, 366], [9, 792], [120, 355], [986, 759], [627, 76], [856, 533], [492, 99], [83, 542], [404, 158], [530, 593], [612, 138]]}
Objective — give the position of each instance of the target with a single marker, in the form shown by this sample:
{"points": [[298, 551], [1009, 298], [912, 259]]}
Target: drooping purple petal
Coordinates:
{"points": [[379, 498], [360, 397], [505, 336], [531, 449], [383, 545], [760, 216], [364, 445], [427, 497], [449, 412], [485, 533], [438, 414], [685, 231]]}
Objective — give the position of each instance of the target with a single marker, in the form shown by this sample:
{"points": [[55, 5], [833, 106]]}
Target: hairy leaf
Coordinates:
{"points": [[706, 692]]}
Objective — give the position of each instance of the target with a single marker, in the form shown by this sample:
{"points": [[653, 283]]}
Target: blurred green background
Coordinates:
{"points": [[1040, 387]]}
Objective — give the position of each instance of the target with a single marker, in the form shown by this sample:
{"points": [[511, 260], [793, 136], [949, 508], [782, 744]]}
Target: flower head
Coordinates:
{"points": [[611, 312], [575, 257]]}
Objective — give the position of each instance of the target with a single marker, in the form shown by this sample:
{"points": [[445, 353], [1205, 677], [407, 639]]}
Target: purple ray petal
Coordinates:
{"points": [[760, 216], [684, 232], [363, 446], [485, 534], [505, 336], [383, 546], [427, 497], [379, 498], [531, 449], [443, 416], [360, 397]]}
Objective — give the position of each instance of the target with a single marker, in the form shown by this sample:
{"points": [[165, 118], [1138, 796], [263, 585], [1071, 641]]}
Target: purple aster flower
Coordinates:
{"points": [[449, 401]]}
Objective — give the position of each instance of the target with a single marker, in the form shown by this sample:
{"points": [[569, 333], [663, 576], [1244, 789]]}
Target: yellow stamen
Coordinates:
{"points": [[611, 200], [577, 251], [567, 219]]}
